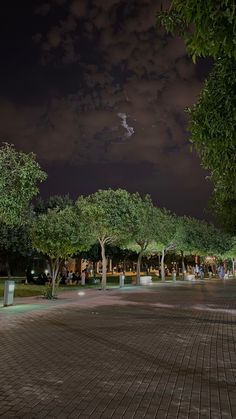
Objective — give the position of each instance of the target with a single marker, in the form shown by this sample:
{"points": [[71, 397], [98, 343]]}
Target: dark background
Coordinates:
{"points": [[98, 93]]}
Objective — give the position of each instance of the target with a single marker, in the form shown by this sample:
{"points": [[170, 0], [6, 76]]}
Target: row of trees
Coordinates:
{"points": [[61, 228]]}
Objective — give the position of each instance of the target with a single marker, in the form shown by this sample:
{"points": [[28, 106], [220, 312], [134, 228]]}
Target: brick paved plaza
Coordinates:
{"points": [[167, 351]]}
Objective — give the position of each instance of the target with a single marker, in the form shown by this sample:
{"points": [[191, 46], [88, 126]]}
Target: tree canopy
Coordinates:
{"points": [[14, 241], [209, 30], [108, 214], [207, 26], [19, 178], [213, 135], [141, 229], [53, 202], [58, 234], [165, 234], [197, 237]]}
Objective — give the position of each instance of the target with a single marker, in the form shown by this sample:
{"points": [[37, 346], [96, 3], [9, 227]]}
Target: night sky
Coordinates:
{"points": [[98, 93]]}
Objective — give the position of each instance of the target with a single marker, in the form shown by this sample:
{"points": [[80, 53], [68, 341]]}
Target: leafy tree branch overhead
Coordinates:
{"points": [[207, 26], [209, 30]]}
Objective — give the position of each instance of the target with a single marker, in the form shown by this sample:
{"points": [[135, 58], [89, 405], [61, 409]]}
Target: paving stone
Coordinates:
{"points": [[167, 351]]}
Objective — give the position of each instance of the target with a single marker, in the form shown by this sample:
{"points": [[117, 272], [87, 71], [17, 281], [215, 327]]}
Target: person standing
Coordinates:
{"points": [[201, 271], [221, 271], [196, 270]]}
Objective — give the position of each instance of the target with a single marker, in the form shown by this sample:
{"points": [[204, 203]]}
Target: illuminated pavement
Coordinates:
{"points": [[167, 351]]}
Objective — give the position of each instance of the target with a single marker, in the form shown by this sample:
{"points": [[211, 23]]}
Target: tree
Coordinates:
{"points": [[207, 26], [231, 253], [141, 228], [165, 234], [191, 238], [209, 30], [107, 213], [56, 201], [19, 176], [117, 254], [14, 241], [58, 234], [195, 237], [212, 127]]}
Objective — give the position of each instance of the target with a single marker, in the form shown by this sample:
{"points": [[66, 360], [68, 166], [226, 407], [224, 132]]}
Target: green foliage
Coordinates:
{"points": [[225, 211], [207, 26], [166, 229], [213, 134], [113, 218], [199, 238], [213, 121], [19, 175], [58, 233], [141, 227], [23, 290], [116, 253], [107, 213], [15, 240], [56, 201], [230, 253], [209, 30]]}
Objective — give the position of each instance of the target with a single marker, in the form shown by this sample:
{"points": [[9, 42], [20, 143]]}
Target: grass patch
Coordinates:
{"points": [[31, 290], [22, 290]]}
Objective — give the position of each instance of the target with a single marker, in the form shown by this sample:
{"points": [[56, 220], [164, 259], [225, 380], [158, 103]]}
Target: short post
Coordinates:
{"points": [[122, 279], [83, 277], [8, 293], [174, 275]]}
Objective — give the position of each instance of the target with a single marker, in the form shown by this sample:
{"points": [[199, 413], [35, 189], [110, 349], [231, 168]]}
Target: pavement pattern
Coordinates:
{"points": [[164, 351]]}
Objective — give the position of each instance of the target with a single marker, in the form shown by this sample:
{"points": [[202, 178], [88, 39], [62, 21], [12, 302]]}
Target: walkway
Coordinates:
{"points": [[167, 351]]}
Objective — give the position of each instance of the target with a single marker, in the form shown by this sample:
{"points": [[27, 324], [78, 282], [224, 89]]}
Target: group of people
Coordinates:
{"points": [[221, 271], [73, 278], [66, 278], [42, 278], [200, 271]]}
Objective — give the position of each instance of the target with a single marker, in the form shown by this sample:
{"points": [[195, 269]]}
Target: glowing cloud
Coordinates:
{"points": [[129, 130]]}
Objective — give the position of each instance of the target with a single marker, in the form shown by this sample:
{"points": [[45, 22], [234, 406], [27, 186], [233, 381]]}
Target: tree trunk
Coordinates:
{"points": [[54, 276], [162, 265], [233, 266], [214, 268], [139, 267], [110, 265], [183, 265], [104, 265], [55, 265], [124, 267]]}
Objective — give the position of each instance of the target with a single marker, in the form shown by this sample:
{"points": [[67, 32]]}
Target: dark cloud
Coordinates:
{"points": [[107, 90]]}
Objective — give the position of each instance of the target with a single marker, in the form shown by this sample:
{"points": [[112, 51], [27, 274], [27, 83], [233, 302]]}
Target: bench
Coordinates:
{"points": [[145, 280], [190, 277]]}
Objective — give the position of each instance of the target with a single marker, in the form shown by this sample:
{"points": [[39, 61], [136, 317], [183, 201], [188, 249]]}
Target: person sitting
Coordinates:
{"points": [[75, 278], [49, 278], [201, 271]]}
